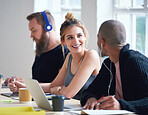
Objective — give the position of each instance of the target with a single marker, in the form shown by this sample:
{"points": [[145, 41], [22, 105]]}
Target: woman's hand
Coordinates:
{"points": [[55, 90]]}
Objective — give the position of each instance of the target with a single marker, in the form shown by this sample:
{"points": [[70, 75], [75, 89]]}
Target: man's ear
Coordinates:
{"points": [[102, 42]]}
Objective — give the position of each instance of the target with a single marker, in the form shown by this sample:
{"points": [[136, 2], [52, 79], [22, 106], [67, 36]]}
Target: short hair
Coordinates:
{"points": [[40, 19], [71, 20], [113, 32]]}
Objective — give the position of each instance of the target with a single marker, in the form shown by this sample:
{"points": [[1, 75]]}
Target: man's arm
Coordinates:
{"points": [[99, 86], [138, 106]]}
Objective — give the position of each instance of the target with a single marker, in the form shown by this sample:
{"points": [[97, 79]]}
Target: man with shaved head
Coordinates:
{"points": [[122, 83]]}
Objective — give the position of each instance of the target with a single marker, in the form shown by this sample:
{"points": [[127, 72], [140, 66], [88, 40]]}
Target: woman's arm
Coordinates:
{"points": [[45, 87], [89, 66], [59, 80]]}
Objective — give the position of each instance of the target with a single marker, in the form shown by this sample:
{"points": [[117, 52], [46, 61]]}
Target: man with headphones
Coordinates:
{"points": [[122, 82], [49, 52]]}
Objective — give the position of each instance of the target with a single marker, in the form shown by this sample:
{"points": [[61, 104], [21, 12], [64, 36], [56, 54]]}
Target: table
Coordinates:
{"points": [[72, 103]]}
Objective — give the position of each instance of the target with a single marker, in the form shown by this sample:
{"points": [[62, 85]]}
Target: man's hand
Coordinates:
{"points": [[91, 104], [14, 86], [12, 79], [109, 103]]}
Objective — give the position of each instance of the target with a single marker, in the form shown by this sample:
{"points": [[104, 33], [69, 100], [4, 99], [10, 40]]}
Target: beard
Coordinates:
{"points": [[42, 44]]}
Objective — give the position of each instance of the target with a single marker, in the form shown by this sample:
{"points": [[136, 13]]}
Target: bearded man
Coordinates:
{"points": [[49, 52]]}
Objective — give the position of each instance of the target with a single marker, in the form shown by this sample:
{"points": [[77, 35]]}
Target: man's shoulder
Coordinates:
{"points": [[132, 54], [134, 58]]}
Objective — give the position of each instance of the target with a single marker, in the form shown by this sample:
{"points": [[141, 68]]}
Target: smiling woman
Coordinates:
{"points": [[75, 39], [81, 65]]}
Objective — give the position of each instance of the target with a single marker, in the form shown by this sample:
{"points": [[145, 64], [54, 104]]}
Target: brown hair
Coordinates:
{"points": [[71, 20], [40, 19]]}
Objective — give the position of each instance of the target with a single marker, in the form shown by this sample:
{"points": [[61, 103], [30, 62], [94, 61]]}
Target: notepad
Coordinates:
{"points": [[20, 111], [15, 94], [106, 112]]}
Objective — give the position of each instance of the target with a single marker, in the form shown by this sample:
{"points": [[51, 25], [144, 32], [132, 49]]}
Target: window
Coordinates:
{"points": [[134, 15], [59, 8]]}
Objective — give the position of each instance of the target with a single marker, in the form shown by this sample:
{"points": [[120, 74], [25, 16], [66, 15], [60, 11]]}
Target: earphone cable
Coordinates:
{"points": [[109, 69]]}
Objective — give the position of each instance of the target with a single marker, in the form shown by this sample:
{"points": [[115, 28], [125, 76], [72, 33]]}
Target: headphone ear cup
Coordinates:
{"points": [[48, 26]]}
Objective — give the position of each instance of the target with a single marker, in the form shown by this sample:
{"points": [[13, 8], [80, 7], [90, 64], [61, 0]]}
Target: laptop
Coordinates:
{"points": [[38, 94]]}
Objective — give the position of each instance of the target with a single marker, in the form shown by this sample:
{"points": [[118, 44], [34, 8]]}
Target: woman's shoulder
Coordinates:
{"points": [[92, 60], [92, 53]]}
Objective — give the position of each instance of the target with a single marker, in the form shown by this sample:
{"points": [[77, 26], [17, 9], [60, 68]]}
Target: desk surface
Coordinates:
{"points": [[72, 103]]}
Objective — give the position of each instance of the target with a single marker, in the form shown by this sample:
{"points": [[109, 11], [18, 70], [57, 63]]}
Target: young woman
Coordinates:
{"points": [[81, 65]]}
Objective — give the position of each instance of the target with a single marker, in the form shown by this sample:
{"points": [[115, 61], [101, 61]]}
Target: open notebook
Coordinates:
{"points": [[107, 112], [15, 94]]}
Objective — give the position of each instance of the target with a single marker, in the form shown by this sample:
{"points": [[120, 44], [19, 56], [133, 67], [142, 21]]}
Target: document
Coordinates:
{"points": [[106, 112]]}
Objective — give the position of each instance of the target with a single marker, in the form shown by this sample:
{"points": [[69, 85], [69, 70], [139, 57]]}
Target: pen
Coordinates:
{"points": [[6, 101], [14, 81], [103, 101], [100, 102]]}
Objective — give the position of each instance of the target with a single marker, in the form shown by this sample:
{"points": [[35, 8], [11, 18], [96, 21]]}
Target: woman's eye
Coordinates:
{"points": [[79, 35], [69, 37]]}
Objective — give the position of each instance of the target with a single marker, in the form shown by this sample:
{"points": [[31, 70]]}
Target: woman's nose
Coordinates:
{"points": [[76, 39]]}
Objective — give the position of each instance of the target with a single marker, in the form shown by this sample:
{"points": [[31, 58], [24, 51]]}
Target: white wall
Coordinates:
{"points": [[16, 47], [94, 13], [89, 18], [104, 11]]}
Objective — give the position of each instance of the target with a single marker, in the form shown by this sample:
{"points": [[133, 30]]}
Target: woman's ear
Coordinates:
{"points": [[62, 41], [85, 36]]}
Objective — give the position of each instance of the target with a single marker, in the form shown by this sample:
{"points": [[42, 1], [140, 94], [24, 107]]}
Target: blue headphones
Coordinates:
{"points": [[48, 26]]}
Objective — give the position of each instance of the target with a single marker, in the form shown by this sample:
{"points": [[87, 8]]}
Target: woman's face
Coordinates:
{"points": [[75, 39]]}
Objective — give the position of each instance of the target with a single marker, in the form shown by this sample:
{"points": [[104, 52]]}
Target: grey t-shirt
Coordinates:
{"points": [[70, 76]]}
